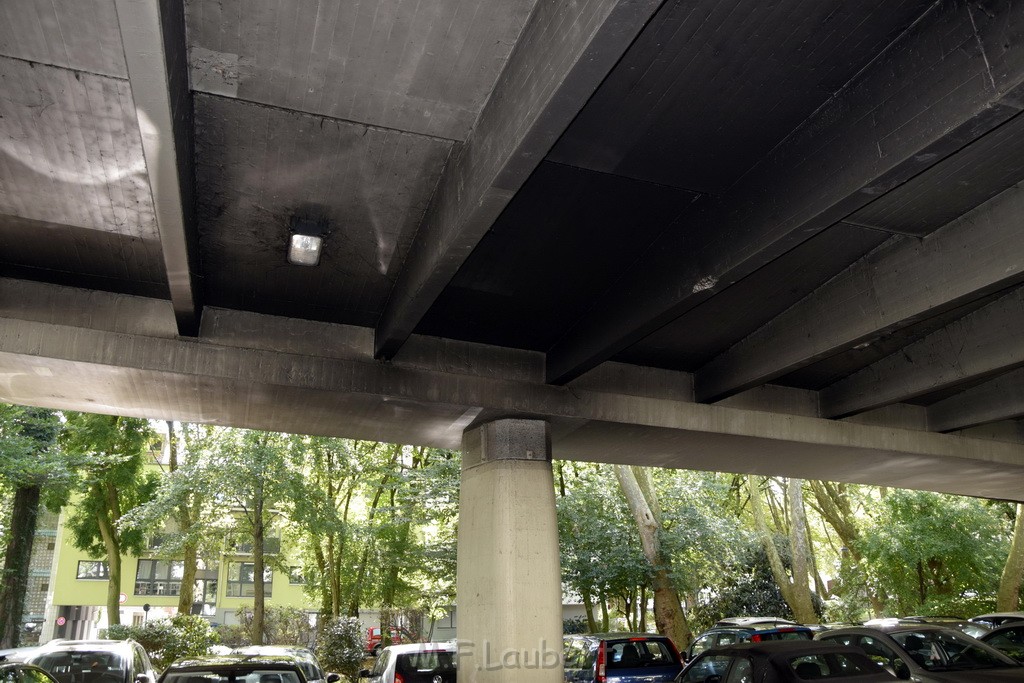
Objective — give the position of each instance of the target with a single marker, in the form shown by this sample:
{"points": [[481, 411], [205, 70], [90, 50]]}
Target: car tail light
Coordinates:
{"points": [[756, 638], [601, 677], [399, 678]]}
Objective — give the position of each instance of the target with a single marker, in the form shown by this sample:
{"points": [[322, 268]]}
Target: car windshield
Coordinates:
{"points": [[948, 651], [639, 652], [82, 666], [254, 676]]}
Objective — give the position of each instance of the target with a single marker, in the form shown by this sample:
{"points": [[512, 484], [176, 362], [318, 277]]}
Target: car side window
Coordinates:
{"points": [[727, 638], [381, 664], [140, 663], [742, 671], [709, 667], [701, 644], [33, 676]]}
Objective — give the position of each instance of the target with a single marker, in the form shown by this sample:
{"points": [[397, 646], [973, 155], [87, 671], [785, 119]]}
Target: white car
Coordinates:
{"points": [[414, 663]]}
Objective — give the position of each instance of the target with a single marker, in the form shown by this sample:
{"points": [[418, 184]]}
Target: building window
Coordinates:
{"points": [[241, 582], [295, 577], [93, 570], [159, 577], [51, 545], [44, 586]]}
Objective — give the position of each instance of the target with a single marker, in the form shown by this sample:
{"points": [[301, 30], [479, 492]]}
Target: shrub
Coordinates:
{"points": [[341, 646], [281, 626], [168, 639], [575, 625]]}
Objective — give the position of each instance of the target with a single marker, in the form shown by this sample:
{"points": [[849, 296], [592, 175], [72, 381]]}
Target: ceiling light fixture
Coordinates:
{"points": [[306, 241]]}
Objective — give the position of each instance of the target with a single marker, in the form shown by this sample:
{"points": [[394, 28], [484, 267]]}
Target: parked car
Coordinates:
{"points": [[1008, 639], [375, 638], [235, 669], [414, 663], [621, 658], [974, 629], [783, 661], [994, 619], [928, 654], [747, 629], [307, 661], [19, 672], [95, 661]]}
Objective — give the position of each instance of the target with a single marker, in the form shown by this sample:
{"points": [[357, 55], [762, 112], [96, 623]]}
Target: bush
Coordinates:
{"points": [[168, 639], [281, 626], [575, 625], [341, 646]]}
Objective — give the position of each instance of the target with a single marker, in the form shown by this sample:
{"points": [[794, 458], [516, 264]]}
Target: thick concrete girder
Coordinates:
{"points": [[993, 401], [981, 344], [903, 280], [952, 76], [566, 50], [153, 32], [263, 372]]}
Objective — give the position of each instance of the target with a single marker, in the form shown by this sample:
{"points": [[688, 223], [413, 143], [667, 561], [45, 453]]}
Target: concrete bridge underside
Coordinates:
{"points": [[781, 238], [102, 352]]}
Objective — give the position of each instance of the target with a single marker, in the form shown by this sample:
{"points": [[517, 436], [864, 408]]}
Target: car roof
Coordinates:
{"points": [[272, 650], [754, 621], [889, 627], [421, 647], [619, 635], [998, 615], [768, 647], [115, 646], [235, 660]]}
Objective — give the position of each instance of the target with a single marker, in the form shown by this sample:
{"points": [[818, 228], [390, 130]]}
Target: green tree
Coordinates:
{"points": [[935, 553], [37, 472], [252, 470], [113, 481]]}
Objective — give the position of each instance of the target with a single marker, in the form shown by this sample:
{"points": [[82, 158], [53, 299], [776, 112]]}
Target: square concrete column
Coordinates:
{"points": [[509, 591]]}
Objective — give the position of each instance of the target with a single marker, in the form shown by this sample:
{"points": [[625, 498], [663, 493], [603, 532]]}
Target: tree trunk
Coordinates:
{"points": [[642, 621], [834, 507], [190, 552], [605, 622], [24, 515], [774, 560], [259, 601], [804, 607], [588, 606], [668, 610], [106, 520], [1008, 597]]}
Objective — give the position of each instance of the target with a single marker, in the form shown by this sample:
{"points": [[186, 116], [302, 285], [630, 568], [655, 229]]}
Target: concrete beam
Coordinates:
{"points": [[153, 32], [952, 76], [565, 51], [994, 401], [904, 280], [982, 344], [254, 371]]}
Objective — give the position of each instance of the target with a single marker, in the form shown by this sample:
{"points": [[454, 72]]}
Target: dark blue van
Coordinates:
{"points": [[621, 658]]}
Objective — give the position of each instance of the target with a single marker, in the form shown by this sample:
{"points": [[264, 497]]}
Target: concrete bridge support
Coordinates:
{"points": [[509, 591]]}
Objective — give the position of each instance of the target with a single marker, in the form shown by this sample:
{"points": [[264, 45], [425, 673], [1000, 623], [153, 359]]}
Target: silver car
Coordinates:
{"points": [[928, 654]]}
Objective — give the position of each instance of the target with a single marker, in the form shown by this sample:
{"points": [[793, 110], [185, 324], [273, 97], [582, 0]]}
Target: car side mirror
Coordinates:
{"points": [[333, 678], [902, 670], [143, 678], [364, 673]]}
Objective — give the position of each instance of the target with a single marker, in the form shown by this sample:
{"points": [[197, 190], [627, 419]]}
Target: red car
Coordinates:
{"points": [[374, 638]]}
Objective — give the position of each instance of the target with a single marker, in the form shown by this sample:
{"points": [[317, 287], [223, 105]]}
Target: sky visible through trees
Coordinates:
{"points": [[374, 525]]}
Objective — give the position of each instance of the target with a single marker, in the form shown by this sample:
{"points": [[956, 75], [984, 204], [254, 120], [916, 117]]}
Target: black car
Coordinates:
{"points": [[928, 654], [747, 629], [235, 669], [781, 662], [621, 658], [306, 659], [19, 672], [994, 619], [1008, 639]]}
